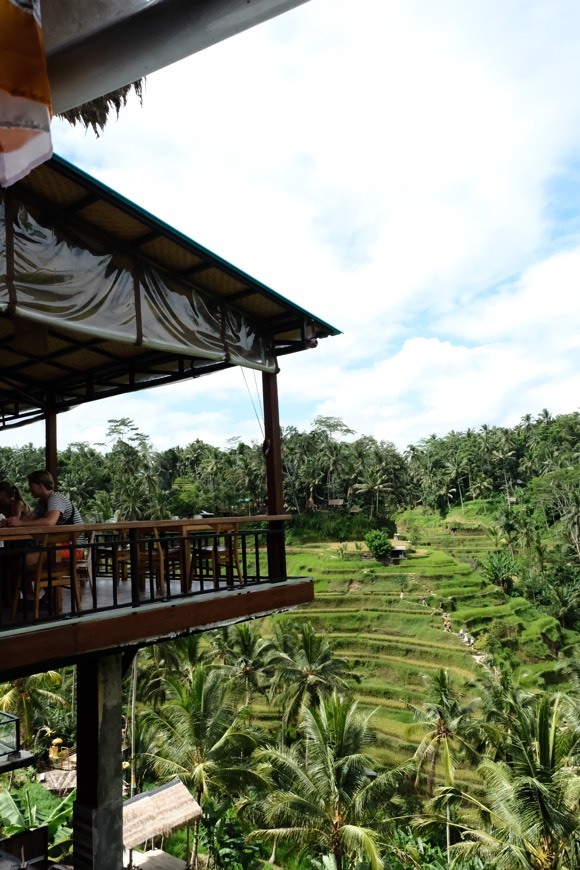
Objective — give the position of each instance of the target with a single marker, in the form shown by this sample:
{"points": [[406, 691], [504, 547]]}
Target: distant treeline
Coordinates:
{"points": [[327, 469]]}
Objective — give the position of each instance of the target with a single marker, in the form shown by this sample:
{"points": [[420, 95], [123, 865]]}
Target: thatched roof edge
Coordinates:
{"points": [[157, 812]]}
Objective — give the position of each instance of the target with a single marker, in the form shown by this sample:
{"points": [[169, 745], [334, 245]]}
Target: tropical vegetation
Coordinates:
{"points": [[420, 713]]}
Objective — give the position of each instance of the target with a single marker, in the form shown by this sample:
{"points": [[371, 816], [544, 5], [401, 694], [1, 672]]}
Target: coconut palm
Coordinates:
{"points": [[529, 812], [307, 674], [197, 736], [161, 660], [324, 797], [245, 656], [31, 699], [451, 731], [456, 469], [503, 696], [373, 482]]}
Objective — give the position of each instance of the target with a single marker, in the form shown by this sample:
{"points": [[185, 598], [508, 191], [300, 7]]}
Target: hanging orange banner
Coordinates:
{"points": [[24, 91]]}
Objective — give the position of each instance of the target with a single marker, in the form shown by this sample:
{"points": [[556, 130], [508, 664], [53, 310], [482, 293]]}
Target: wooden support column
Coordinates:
{"points": [[50, 446], [273, 456], [98, 809]]}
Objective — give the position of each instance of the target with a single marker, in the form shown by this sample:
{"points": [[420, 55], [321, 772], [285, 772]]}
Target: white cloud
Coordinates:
{"points": [[388, 166]]}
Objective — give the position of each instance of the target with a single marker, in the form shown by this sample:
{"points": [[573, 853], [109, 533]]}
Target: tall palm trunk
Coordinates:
{"points": [[272, 858], [133, 721], [431, 774], [195, 849]]}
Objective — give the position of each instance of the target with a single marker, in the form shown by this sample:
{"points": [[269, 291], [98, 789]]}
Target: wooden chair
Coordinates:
{"points": [[85, 562], [52, 573], [223, 550], [150, 560]]}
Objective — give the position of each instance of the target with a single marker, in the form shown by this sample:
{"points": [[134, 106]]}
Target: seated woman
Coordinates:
{"points": [[52, 509], [12, 503]]}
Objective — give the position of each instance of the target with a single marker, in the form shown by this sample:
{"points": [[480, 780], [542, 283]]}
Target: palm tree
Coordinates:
{"points": [[455, 468], [245, 656], [530, 809], [323, 797], [373, 482], [197, 736], [500, 569], [31, 699], [450, 729], [161, 660], [451, 733], [503, 697], [307, 674]]}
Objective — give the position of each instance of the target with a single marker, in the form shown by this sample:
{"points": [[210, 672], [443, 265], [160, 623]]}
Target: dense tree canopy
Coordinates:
{"points": [[532, 470]]}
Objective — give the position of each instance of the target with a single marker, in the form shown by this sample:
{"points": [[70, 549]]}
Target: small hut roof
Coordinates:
{"points": [[60, 781], [157, 859], [157, 812]]}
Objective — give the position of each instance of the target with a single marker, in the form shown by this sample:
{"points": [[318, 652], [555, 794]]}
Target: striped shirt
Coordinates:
{"points": [[58, 502]]}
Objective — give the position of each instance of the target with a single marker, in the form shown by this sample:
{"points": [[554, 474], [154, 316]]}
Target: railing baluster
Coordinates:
{"points": [[180, 560]]}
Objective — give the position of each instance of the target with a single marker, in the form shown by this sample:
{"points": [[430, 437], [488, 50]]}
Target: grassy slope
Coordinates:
{"points": [[391, 642]]}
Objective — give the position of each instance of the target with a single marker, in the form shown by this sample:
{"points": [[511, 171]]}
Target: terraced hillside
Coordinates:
{"points": [[389, 640], [388, 622]]}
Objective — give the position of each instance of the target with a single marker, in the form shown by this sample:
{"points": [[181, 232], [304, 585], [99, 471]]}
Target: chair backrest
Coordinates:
{"points": [[51, 563], [151, 543], [230, 529], [228, 551]]}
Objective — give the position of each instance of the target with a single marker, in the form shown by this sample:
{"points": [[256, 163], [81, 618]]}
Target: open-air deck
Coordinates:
{"points": [[112, 585]]}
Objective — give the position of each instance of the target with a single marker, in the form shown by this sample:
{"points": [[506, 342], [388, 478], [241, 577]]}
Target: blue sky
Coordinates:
{"points": [[409, 172]]}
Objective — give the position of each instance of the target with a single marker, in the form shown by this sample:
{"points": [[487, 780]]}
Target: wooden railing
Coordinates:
{"points": [[94, 568]]}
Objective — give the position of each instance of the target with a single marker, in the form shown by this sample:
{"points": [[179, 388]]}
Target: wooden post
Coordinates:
{"points": [[98, 809], [273, 456], [50, 446]]}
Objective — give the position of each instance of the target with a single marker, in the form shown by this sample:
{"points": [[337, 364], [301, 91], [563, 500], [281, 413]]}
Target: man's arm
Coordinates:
{"points": [[49, 519]]}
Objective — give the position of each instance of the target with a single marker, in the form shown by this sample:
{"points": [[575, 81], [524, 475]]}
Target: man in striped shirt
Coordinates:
{"points": [[52, 508]]}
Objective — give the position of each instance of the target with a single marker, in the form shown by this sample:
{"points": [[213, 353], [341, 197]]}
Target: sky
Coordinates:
{"points": [[407, 171]]}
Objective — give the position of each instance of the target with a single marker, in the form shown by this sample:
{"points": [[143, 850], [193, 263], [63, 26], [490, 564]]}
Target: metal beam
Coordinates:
{"points": [[96, 46]]}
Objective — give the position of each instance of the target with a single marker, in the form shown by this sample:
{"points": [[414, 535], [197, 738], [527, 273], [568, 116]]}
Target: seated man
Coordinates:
{"points": [[52, 509]]}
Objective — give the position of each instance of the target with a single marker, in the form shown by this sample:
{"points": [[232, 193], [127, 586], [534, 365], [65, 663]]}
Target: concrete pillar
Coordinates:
{"points": [[98, 810]]}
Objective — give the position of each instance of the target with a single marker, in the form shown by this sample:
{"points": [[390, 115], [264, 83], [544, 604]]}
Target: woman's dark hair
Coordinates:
{"points": [[11, 490]]}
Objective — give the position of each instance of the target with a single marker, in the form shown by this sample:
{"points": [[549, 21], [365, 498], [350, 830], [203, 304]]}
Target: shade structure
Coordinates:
{"points": [[98, 297], [158, 812]]}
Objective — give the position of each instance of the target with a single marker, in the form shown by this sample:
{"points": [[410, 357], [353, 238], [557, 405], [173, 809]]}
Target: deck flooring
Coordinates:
{"points": [[103, 595]]}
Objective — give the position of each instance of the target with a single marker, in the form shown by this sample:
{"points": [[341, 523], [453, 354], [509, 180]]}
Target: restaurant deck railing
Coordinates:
{"points": [[57, 573]]}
